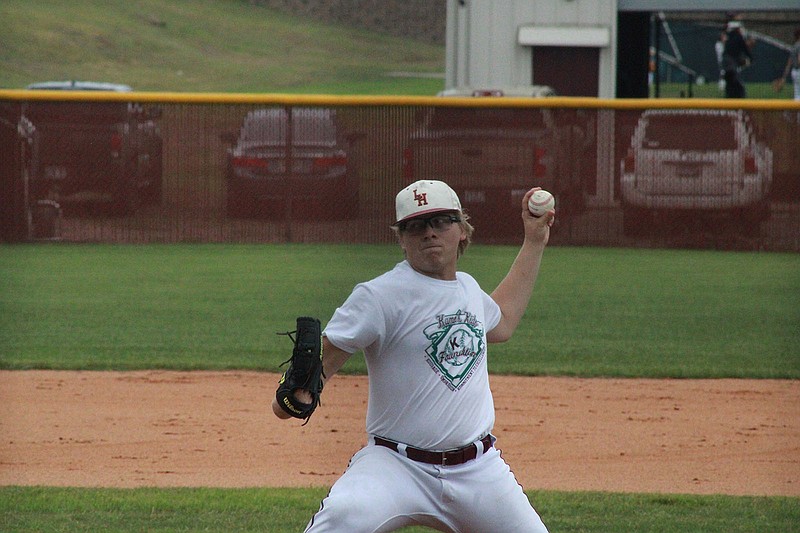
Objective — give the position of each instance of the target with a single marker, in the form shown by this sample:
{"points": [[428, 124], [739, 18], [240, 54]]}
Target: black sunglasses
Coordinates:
{"points": [[418, 226]]}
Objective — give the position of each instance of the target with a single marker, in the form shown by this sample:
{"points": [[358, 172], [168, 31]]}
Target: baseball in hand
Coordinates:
{"points": [[302, 395], [541, 202], [277, 411]]}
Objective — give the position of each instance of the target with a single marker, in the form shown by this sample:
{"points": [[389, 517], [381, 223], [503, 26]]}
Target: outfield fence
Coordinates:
{"points": [[174, 167]]}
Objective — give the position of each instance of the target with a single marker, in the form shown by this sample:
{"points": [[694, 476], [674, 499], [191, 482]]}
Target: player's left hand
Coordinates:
{"points": [[300, 386]]}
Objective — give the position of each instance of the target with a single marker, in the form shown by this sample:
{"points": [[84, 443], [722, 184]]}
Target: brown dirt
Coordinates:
{"points": [[171, 429]]}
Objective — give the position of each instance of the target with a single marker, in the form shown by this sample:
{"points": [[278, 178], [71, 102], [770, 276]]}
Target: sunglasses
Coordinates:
{"points": [[418, 226]]}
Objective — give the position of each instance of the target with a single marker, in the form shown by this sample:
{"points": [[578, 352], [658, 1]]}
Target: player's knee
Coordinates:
{"points": [[350, 513], [366, 496]]}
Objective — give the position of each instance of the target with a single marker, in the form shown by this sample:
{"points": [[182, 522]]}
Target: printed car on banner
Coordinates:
{"points": [[98, 153], [291, 165], [703, 162], [493, 154]]}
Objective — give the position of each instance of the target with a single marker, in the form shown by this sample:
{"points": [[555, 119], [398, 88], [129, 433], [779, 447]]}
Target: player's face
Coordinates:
{"points": [[431, 244]]}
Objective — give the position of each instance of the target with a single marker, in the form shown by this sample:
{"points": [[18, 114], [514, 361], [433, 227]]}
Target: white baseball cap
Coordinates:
{"points": [[423, 197]]}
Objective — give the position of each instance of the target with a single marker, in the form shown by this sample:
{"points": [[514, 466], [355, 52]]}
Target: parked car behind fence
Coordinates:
{"points": [[492, 155], [96, 153], [705, 163], [291, 165]]}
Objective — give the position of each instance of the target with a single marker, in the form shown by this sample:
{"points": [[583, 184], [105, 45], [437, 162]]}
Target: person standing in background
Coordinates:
{"points": [[792, 67], [719, 48], [735, 56]]}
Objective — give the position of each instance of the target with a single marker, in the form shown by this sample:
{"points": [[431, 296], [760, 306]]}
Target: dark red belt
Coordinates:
{"points": [[447, 458]]}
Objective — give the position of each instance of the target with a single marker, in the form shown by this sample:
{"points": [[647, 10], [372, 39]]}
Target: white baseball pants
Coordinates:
{"points": [[384, 491]]}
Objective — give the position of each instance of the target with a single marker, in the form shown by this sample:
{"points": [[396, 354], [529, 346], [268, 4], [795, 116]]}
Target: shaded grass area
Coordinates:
{"points": [[282, 510], [595, 311]]}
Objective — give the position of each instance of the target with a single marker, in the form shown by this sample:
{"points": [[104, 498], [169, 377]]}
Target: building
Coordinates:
{"points": [[579, 47]]}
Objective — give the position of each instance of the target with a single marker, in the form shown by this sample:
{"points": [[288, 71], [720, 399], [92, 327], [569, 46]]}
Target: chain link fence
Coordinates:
{"points": [[151, 168]]}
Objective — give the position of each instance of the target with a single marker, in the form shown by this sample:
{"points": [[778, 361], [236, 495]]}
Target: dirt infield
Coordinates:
{"points": [[173, 429]]}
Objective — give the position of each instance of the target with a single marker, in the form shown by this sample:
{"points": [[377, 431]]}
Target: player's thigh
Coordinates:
{"points": [[378, 492], [491, 499]]}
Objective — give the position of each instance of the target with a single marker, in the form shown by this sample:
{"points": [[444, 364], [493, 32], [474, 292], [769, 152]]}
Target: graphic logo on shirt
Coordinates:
{"points": [[456, 348]]}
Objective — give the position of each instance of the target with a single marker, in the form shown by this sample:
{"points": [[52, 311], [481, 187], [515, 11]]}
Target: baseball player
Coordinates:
{"points": [[430, 457], [792, 67], [736, 55]]}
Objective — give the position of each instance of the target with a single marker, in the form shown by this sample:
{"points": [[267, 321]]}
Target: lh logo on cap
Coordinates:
{"points": [[422, 199]]}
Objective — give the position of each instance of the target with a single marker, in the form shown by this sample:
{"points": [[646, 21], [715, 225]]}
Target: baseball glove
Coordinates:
{"points": [[305, 369]]}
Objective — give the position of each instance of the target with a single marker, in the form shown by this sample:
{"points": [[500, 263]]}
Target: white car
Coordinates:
{"points": [[707, 162]]}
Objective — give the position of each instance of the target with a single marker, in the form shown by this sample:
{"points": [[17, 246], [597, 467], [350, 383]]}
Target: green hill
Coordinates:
{"points": [[204, 45]]}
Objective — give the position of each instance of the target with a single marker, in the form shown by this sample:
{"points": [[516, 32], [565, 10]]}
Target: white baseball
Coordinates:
{"points": [[541, 202]]}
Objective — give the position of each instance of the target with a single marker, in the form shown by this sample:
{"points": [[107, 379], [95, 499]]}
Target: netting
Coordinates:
{"points": [[268, 170]]}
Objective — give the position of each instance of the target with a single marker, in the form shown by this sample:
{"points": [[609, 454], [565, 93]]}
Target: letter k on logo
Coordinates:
{"points": [[422, 199]]}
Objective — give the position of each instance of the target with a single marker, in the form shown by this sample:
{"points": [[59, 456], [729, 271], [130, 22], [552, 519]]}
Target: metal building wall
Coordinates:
{"points": [[483, 46]]}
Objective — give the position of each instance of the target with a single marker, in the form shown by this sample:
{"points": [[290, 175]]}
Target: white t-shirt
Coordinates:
{"points": [[425, 345]]}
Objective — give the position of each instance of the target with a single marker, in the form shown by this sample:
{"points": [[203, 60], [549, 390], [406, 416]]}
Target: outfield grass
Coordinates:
{"points": [[760, 90], [285, 510], [595, 311], [204, 46]]}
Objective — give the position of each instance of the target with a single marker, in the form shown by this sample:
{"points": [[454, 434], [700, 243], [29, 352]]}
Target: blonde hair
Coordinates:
{"points": [[468, 231]]}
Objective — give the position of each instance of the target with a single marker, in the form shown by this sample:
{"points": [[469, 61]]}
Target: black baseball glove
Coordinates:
{"points": [[305, 369]]}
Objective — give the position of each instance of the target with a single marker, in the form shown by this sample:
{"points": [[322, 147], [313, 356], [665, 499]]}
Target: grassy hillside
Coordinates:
{"points": [[204, 45]]}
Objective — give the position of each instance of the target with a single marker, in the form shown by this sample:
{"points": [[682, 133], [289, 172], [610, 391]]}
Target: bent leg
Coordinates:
{"points": [[488, 498], [380, 492]]}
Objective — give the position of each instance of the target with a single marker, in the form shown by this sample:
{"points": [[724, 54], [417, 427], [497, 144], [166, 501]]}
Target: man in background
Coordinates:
{"points": [[792, 67], [719, 49], [735, 56]]}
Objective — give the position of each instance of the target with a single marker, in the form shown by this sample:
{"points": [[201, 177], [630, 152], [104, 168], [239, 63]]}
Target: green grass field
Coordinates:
{"points": [[281, 511], [761, 90], [595, 312], [204, 46]]}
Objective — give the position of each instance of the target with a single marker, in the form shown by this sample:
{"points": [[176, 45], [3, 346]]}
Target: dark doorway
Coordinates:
{"points": [[570, 70], [633, 45]]}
